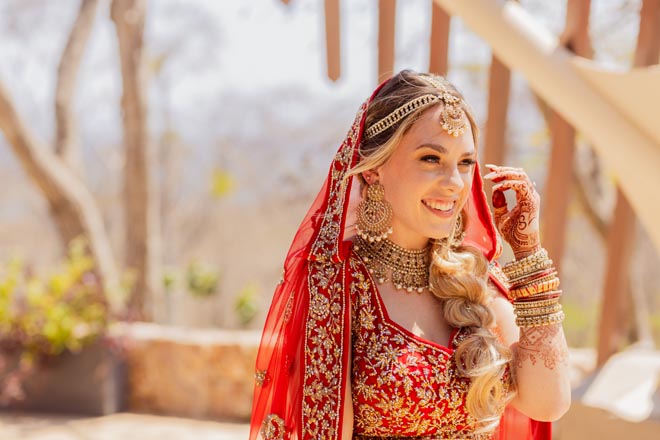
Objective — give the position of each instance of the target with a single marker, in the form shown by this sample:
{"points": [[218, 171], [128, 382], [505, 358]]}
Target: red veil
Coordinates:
{"points": [[302, 364]]}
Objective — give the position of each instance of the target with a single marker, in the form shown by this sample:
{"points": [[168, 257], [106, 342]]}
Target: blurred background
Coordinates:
{"points": [[157, 157]]}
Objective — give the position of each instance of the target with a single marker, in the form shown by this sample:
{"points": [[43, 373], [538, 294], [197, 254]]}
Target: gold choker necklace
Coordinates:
{"points": [[408, 269]]}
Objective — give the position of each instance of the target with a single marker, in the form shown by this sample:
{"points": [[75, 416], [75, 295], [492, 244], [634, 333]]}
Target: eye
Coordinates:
{"points": [[431, 158], [468, 162]]}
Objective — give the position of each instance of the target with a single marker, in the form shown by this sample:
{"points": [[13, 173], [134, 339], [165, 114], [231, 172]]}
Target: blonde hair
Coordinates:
{"points": [[458, 277]]}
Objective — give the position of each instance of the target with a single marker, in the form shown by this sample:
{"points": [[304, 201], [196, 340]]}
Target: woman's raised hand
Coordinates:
{"points": [[520, 225]]}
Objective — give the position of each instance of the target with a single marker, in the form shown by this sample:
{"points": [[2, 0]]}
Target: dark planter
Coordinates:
{"points": [[91, 382]]}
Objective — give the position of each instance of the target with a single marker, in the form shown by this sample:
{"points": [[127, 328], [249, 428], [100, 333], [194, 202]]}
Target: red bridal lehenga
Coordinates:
{"points": [[327, 306]]}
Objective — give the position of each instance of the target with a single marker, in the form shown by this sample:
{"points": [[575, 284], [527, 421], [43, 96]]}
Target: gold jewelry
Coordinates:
{"points": [[400, 113], [374, 214], [514, 269], [458, 234], [532, 303], [538, 321], [539, 311], [452, 118], [495, 270], [408, 269], [535, 289], [536, 277], [536, 282], [540, 296], [519, 271]]}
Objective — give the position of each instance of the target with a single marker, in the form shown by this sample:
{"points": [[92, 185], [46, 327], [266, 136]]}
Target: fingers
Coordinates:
{"points": [[496, 168], [522, 188], [508, 173]]}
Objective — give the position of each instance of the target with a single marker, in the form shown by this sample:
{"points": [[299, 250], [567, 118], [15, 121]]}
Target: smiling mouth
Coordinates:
{"points": [[440, 207]]}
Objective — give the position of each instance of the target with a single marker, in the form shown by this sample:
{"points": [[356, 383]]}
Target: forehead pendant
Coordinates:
{"points": [[452, 118]]}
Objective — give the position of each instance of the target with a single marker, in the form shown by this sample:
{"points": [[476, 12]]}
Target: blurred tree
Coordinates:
{"points": [[140, 204], [58, 174], [70, 202]]}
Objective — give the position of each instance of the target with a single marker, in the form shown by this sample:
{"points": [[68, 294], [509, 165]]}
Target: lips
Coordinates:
{"points": [[444, 206]]}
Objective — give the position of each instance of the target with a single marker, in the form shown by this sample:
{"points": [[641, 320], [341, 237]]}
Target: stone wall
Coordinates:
{"points": [[190, 372]]}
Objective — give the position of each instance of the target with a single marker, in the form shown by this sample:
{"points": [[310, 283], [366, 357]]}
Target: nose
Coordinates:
{"points": [[451, 180]]}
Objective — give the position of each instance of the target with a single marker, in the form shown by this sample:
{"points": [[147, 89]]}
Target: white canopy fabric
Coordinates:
{"points": [[618, 112]]}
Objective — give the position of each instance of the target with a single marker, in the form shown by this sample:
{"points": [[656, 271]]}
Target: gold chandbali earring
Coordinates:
{"points": [[374, 215], [457, 235]]}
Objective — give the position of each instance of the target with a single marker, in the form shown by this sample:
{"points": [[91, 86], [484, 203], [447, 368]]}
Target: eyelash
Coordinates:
{"points": [[436, 159]]}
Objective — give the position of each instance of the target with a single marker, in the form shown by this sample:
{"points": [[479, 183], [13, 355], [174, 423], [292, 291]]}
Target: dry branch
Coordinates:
{"points": [[66, 81]]}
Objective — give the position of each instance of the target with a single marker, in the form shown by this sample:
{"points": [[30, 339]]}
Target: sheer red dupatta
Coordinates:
{"points": [[302, 363]]}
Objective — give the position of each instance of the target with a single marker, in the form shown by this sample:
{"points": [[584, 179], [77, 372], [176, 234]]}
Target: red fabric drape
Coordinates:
{"points": [[302, 364]]}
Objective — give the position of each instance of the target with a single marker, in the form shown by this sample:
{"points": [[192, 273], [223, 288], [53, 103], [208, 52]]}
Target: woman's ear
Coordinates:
{"points": [[370, 176]]}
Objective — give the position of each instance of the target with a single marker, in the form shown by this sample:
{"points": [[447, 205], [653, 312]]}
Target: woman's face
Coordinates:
{"points": [[427, 180]]}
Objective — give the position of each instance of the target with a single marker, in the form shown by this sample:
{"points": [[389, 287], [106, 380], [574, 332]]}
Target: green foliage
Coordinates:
{"points": [[222, 184], [246, 304], [202, 281], [62, 312], [169, 279]]}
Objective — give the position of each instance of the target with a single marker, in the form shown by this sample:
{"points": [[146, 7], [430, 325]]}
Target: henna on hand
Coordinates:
{"points": [[520, 225], [545, 344]]}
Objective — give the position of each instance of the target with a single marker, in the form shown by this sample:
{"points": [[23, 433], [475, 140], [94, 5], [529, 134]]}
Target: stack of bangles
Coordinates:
{"points": [[534, 288]]}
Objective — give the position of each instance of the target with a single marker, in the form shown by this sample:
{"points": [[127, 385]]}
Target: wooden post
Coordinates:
{"points": [[558, 187], [647, 52], [498, 105], [615, 307], [617, 296], [559, 183], [439, 51], [386, 34], [332, 39]]}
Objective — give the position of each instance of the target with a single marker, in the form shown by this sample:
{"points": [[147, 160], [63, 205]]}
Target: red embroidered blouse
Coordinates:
{"points": [[402, 384]]}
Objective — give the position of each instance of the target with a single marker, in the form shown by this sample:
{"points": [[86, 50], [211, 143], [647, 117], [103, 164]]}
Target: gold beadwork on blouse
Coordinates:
{"points": [[401, 384]]}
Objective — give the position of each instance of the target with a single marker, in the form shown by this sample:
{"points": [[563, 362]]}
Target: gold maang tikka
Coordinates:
{"points": [[452, 118]]}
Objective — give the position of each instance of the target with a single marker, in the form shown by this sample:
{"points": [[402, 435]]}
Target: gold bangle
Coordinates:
{"points": [[530, 304], [550, 270], [527, 281], [538, 321], [539, 311], [535, 289], [518, 272], [537, 256]]}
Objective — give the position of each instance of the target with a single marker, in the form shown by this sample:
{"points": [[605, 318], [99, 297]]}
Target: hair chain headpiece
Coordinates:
{"points": [[452, 117], [400, 113]]}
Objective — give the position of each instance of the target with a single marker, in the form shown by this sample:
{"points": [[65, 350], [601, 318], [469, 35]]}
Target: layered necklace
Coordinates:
{"points": [[407, 269]]}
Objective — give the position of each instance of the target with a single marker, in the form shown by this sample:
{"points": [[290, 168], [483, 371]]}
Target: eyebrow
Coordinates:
{"points": [[440, 149]]}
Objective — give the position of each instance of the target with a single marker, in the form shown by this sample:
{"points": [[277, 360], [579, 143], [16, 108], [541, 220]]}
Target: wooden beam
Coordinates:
{"points": [[647, 52], [386, 34], [558, 187], [498, 105], [616, 306], [439, 47], [332, 39], [617, 296], [559, 183], [577, 88]]}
